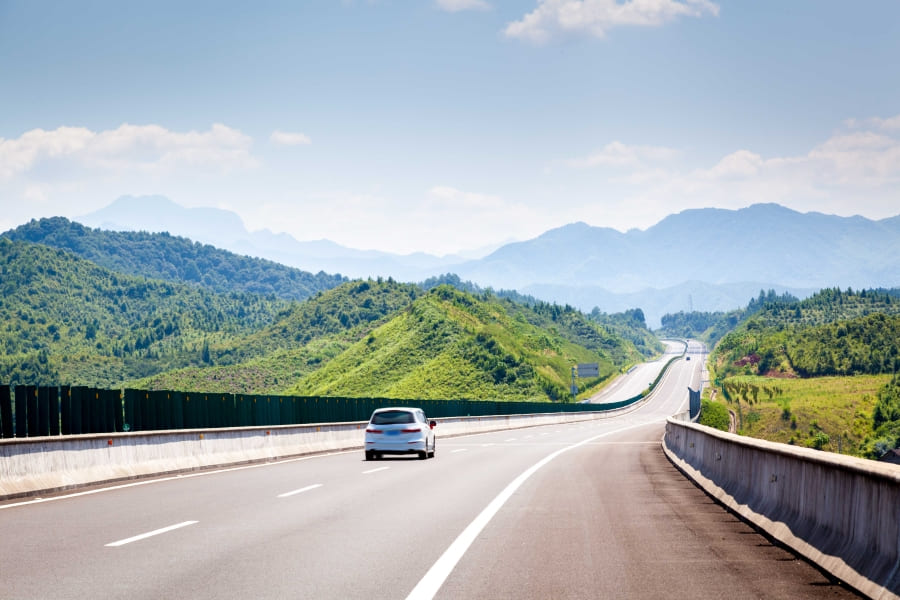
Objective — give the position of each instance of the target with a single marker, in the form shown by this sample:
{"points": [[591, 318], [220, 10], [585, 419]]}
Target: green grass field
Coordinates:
{"points": [[829, 413]]}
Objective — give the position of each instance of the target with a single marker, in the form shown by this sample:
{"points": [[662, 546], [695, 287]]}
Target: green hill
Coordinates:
{"points": [[629, 325], [632, 326], [450, 344], [710, 327], [67, 320], [306, 336], [817, 372], [830, 333], [169, 258]]}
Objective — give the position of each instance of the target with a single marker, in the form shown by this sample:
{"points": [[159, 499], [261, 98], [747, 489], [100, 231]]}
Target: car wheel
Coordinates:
{"points": [[433, 447], [423, 454], [370, 455]]}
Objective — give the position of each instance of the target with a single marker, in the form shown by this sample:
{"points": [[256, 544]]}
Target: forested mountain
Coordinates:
{"points": [[832, 333], [64, 319], [709, 327], [886, 419], [304, 338], [451, 344], [629, 325], [815, 372], [337, 332], [162, 256]]}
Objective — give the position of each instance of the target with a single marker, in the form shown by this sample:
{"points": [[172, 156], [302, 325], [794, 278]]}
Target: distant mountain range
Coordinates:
{"points": [[765, 243], [225, 229], [702, 259]]}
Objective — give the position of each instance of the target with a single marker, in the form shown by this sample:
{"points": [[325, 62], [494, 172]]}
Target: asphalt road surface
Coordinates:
{"points": [[587, 510], [640, 376]]}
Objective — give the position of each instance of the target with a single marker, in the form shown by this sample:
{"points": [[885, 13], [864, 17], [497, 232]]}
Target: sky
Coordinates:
{"points": [[449, 125]]}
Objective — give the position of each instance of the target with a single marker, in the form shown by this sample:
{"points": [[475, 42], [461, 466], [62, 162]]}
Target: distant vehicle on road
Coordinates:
{"points": [[399, 430], [687, 358]]}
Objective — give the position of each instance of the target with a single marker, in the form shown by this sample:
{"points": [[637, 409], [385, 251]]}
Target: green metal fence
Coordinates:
{"points": [[38, 411]]}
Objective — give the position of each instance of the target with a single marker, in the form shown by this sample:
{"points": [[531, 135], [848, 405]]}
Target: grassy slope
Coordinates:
{"points": [[800, 409], [304, 338], [832, 331], [451, 345]]}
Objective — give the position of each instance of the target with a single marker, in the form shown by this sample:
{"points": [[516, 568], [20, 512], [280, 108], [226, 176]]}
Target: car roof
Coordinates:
{"points": [[404, 408]]}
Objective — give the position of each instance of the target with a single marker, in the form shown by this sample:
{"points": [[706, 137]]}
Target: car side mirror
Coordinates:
{"points": [[432, 424]]}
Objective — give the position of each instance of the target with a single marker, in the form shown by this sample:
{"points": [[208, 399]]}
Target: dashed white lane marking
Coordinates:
{"points": [[429, 585], [300, 491], [375, 470], [459, 450], [488, 445], [173, 478], [510, 440], [144, 536]]}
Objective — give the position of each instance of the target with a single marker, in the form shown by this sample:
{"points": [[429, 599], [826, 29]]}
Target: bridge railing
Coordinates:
{"points": [[838, 511]]}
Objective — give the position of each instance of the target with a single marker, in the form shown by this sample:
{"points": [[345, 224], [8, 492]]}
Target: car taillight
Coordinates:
{"points": [[412, 430], [373, 430]]}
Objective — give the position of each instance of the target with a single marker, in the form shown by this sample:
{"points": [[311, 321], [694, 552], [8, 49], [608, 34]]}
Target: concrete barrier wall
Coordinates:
{"points": [[29, 466], [840, 512]]}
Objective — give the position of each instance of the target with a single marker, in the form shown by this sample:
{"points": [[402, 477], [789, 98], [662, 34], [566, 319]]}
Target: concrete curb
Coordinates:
{"points": [[838, 512]]}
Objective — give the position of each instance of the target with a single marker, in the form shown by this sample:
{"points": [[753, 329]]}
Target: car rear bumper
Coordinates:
{"points": [[406, 447]]}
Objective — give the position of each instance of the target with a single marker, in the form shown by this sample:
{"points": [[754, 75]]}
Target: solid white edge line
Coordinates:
{"points": [[150, 534], [300, 491], [429, 585]]}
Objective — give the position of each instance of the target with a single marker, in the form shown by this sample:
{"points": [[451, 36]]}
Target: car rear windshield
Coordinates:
{"points": [[392, 416]]}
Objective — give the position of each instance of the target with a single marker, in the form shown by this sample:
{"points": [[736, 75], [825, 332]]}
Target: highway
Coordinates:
{"points": [[586, 510], [640, 376]]}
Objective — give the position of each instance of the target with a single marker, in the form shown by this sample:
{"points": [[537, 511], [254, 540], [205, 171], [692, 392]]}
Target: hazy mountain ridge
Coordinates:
{"points": [[225, 229], [706, 259], [764, 242]]}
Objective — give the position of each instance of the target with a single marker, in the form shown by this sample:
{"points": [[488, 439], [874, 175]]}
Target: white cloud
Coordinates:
{"points": [[851, 172], [596, 17], [71, 171], [891, 124], [617, 154], [144, 148], [285, 138], [459, 5], [451, 199], [742, 163]]}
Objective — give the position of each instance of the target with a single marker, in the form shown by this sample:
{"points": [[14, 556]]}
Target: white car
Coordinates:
{"points": [[399, 431]]}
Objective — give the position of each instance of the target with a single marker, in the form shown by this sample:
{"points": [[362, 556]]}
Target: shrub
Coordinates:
{"points": [[714, 414]]}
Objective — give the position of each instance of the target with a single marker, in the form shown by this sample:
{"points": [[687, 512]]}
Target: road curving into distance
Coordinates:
{"points": [[639, 377], [585, 510]]}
